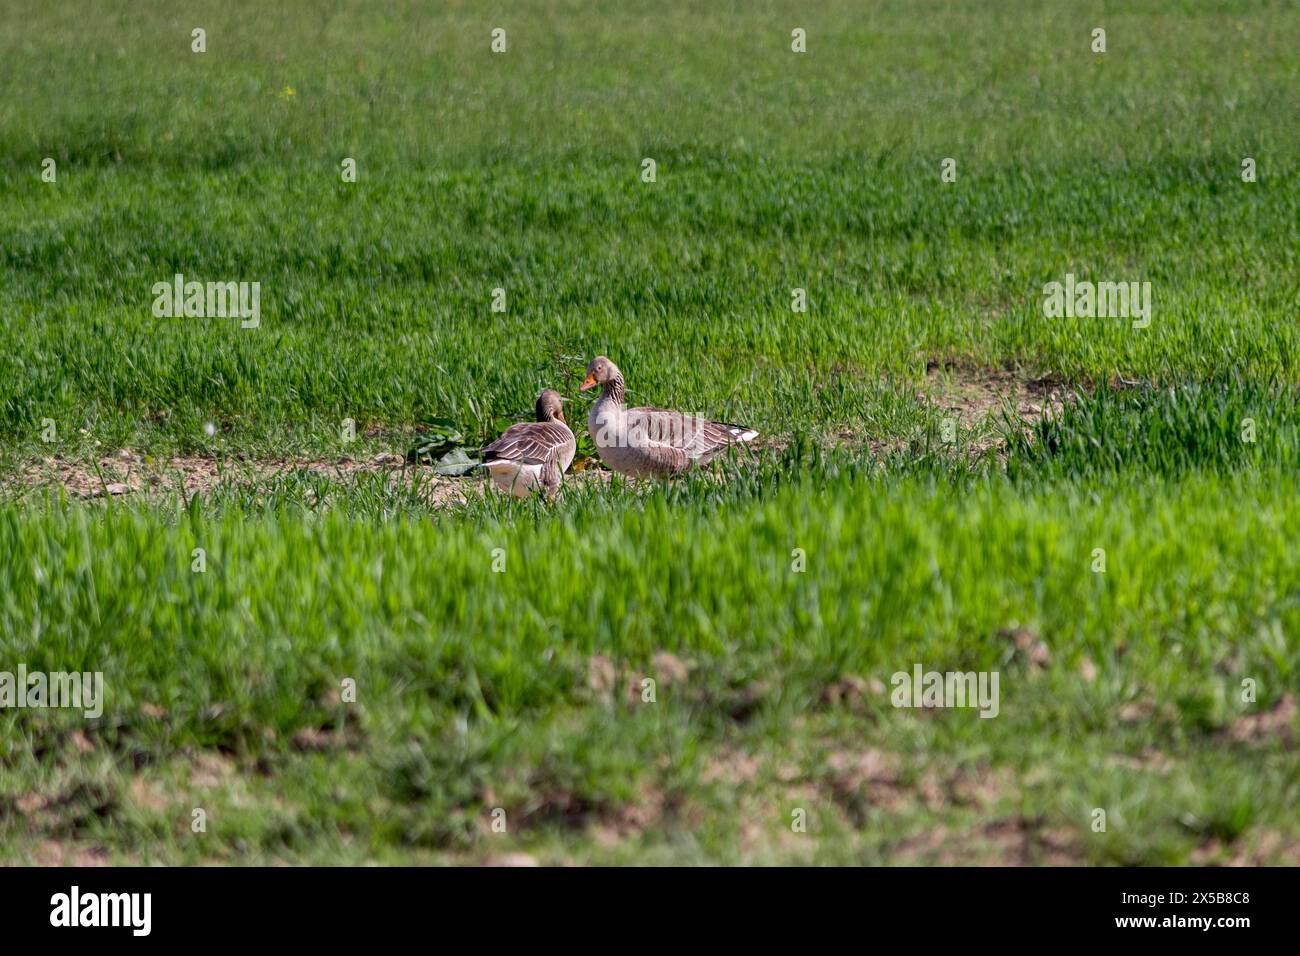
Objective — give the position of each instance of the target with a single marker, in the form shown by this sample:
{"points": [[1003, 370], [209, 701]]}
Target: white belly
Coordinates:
{"points": [[566, 456], [514, 478]]}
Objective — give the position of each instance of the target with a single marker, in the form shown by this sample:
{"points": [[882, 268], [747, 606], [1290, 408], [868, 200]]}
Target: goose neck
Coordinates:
{"points": [[612, 391]]}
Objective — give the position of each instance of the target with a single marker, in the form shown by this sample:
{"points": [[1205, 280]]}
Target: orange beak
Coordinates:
{"points": [[588, 382], [560, 415]]}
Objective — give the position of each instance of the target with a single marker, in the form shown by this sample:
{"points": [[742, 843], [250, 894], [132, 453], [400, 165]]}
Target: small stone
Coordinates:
{"points": [[1088, 670]]}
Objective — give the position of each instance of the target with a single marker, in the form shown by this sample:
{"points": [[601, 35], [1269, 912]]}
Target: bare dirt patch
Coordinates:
{"points": [[127, 473], [977, 397], [54, 853], [1149, 760], [853, 692], [1276, 723], [871, 790], [731, 767], [149, 795], [68, 808], [512, 860], [864, 780], [1013, 841], [1266, 848], [860, 780], [211, 770], [604, 678]]}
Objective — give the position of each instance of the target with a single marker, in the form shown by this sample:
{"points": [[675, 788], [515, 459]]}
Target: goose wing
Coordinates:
{"points": [[540, 442], [694, 436]]}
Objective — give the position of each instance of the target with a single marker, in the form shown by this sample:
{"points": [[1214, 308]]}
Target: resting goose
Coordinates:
{"points": [[532, 455], [650, 442]]}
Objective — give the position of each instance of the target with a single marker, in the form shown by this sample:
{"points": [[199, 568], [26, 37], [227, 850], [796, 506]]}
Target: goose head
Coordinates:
{"points": [[550, 406], [602, 372]]}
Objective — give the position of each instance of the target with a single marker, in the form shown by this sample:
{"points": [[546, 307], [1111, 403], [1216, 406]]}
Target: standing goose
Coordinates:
{"points": [[650, 442], [532, 455]]}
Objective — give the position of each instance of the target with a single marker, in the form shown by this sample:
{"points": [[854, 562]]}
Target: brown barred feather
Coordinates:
{"points": [[530, 442]]}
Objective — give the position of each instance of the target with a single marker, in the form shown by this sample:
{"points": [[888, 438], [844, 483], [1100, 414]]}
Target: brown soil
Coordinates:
{"points": [[977, 396], [128, 473]]}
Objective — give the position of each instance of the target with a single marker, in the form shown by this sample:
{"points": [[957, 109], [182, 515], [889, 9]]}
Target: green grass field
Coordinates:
{"points": [[1103, 515]]}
